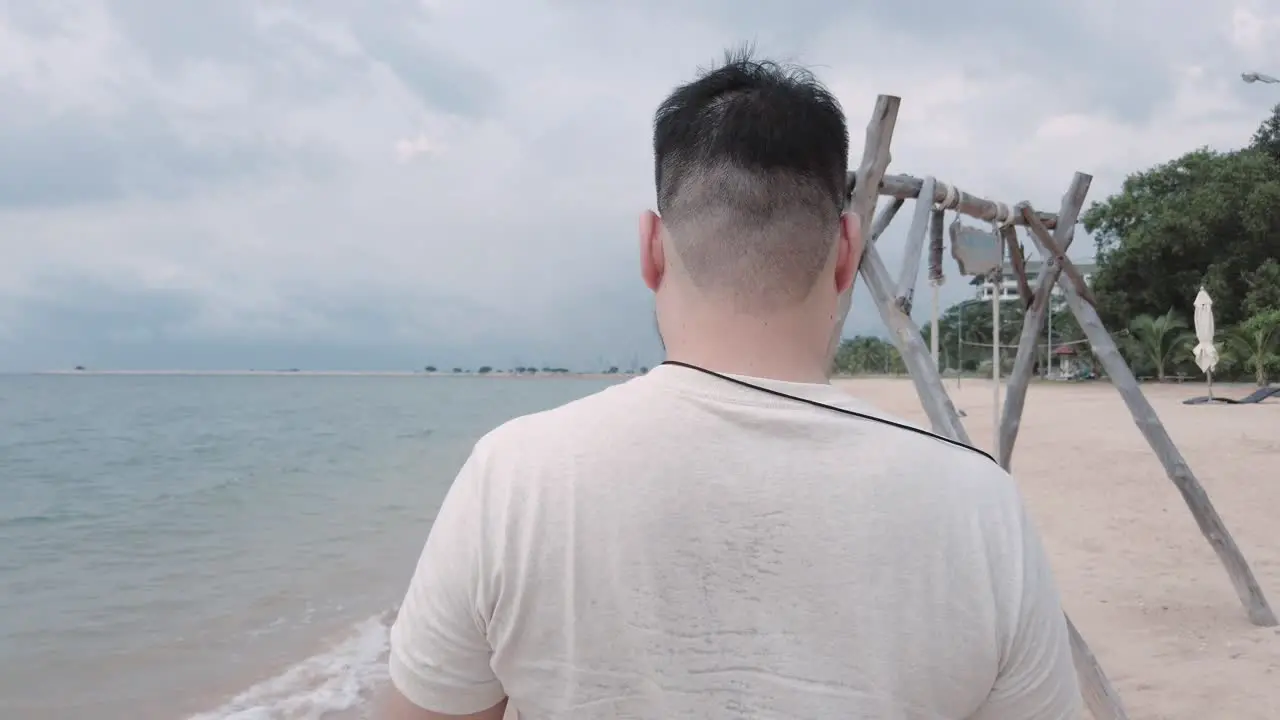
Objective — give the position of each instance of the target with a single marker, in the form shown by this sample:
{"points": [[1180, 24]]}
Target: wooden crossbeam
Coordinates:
{"points": [[907, 187]]}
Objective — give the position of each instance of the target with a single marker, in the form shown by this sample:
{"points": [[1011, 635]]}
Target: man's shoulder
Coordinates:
{"points": [[915, 452], [586, 415]]}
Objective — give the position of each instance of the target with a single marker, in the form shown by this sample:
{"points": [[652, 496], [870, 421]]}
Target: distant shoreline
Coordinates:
{"points": [[336, 373]]}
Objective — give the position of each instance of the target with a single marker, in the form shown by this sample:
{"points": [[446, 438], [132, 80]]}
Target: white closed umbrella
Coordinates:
{"points": [[1205, 351]]}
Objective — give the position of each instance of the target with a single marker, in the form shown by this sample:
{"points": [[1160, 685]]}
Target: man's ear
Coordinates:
{"points": [[653, 261], [849, 247]]}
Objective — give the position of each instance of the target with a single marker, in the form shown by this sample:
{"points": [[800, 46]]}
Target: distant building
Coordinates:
{"points": [[984, 288]]}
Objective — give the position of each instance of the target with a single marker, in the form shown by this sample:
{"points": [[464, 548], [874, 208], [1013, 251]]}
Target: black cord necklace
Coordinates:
{"points": [[842, 411]]}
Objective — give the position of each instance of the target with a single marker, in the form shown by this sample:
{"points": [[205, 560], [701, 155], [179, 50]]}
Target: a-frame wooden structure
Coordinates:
{"points": [[866, 185]]}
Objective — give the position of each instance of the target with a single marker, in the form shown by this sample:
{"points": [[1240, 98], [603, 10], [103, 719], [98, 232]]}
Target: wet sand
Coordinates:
{"points": [[1137, 577]]}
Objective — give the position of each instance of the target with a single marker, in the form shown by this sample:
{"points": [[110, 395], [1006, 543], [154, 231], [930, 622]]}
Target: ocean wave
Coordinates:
{"points": [[339, 679], [20, 520]]}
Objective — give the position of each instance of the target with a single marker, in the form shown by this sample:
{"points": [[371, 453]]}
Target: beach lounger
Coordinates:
{"points": [[1252, 398]]}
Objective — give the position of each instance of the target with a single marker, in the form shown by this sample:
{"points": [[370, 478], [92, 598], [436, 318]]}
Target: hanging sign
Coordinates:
{"points": [[975, 250]]}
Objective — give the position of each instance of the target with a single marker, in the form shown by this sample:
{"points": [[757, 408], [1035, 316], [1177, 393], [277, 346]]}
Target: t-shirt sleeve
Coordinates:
{"points": [[440, 655], [1037, 679]]}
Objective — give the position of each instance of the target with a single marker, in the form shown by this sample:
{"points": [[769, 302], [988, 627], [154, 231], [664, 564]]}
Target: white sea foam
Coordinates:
{"points": [[339, 679]]}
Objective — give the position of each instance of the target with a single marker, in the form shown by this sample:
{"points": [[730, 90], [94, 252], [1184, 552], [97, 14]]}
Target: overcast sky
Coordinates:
{"points": [[390, 183]]}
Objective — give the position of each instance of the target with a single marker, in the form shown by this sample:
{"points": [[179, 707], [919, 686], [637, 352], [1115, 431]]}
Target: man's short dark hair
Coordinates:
{"points": [[750, 162]]}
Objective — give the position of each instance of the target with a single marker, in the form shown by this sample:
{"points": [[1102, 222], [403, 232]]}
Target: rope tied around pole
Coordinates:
{"points": [[1004, 216], [952, 199]]}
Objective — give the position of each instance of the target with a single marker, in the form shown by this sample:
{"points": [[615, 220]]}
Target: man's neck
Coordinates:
{"points": [[775, 353], [756, 366], [786, 345]]}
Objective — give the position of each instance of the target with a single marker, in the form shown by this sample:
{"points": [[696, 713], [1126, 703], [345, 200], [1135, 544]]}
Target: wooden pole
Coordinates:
{"points": [[937, 219], [1057, 253], [884, 217], [924, 375], [908, 188], [1202, 509], [997, 280], [946, 422], [906, 290], [881, 223], [863, 184], [928, 383], [875, 159], [1048, 343], [1099, 696], [1024, 361], [1009, 234], [933, 327]]}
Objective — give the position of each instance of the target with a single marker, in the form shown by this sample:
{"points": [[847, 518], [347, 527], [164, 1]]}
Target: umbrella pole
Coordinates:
{"points": [[1210, 376]]}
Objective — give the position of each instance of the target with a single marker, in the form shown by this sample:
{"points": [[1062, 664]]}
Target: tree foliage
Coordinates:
{"points": [[1156, 341], [868, 355], [964, 334], [1207, 218], [1254, 346]]}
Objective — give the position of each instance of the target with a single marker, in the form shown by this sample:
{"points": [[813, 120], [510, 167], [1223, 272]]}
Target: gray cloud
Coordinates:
{"points": [[439, 79], [172, 33], [59, 159], [306, 184]]}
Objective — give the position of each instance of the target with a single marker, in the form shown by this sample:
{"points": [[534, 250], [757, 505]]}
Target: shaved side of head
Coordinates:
{"points": [[750, 165]]}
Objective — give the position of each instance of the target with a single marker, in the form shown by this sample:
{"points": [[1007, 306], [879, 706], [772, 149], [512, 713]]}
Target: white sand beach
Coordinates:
{"points": [[1138, 578]]}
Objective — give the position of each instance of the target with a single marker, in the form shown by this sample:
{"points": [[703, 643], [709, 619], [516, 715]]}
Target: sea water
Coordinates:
{"points": [[222, 546]]}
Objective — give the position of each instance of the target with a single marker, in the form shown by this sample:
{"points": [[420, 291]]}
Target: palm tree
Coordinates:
{"points": [[1159, 339], [1253, 344]]}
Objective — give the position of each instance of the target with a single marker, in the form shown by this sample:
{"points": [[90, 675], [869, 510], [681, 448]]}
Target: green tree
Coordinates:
{"points": [[964, 333], [1267, 137], [867, 354], [1207, 218], [963, 329], [484, 370], [430, 368], [1066, 329], [1155, 341], [1253, 345], [1263, 293]]}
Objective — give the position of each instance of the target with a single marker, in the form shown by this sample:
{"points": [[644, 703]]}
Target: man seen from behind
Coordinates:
{"points": [[683, 545]]}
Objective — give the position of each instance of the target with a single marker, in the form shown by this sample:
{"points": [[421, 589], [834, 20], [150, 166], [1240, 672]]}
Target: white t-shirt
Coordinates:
{"points": [[679, 546]]}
